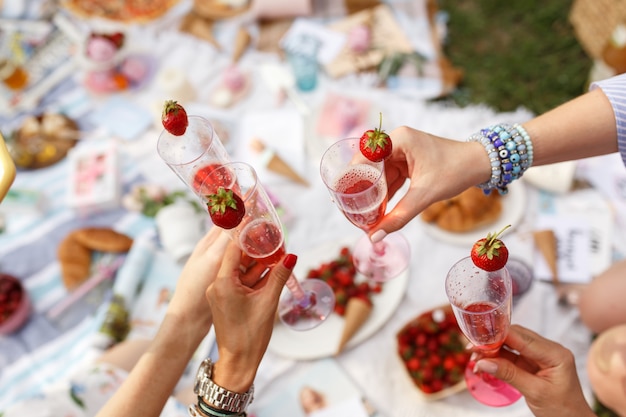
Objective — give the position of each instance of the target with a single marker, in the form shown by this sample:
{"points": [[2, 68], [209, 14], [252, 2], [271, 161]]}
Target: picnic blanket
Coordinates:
{"points": [[51, 346]]}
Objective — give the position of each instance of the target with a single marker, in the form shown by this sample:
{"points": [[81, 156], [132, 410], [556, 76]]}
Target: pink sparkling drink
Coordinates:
{"points": [[364, 200]]}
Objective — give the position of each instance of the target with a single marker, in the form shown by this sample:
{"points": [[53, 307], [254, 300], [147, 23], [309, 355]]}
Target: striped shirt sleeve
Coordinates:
{"points": [[615, 90]]}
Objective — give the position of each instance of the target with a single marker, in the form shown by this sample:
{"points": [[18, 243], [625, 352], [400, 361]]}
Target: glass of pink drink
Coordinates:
{"points": [[260, 236], [358, 187], [195, 153], [482, 303]]}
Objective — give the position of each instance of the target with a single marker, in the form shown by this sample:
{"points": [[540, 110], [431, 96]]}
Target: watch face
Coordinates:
{"points": [[204, 372]]}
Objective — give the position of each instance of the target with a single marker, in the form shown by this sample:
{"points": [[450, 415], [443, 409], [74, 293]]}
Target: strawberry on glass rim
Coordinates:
{"points": [[375, 144], [174, 118], [490, 253]]}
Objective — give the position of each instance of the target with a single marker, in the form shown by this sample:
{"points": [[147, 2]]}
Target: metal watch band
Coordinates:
{"points": [[217, 396]]}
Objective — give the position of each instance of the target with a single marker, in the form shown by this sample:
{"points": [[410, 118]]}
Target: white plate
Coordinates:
{"points": [[323, 340], [513, 209]]}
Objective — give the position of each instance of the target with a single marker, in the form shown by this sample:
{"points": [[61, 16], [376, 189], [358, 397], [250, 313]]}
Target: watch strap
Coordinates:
{"points": [[219, 397]]}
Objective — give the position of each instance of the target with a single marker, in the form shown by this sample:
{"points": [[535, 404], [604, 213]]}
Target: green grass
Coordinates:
{"points": [[515, 53]]}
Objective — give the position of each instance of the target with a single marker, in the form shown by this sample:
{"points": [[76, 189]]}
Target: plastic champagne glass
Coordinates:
{"points": [[260, 236], [195, 153], [482, 303], [358, 187]]}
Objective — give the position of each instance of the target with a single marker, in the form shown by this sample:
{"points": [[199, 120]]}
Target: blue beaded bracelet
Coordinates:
{"points": [[510, 153]]}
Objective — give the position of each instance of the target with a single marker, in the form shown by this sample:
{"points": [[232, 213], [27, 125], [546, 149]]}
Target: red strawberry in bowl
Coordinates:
{"points": [[432, 348], [375, 144], [226, 208], [174, 118], [490, 253]]}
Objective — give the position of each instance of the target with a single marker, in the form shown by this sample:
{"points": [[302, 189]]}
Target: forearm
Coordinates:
{"points": [[581, 128], [154, 377]]}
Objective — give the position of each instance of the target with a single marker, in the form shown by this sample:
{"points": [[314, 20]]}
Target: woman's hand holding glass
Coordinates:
{"points": [[260, 235], [244, 316], [542, 370], [437, 169], [359, 188], [482, 303]]}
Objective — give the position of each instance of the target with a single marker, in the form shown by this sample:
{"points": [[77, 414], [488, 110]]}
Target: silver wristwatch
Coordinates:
{"points": [[216, 396]]}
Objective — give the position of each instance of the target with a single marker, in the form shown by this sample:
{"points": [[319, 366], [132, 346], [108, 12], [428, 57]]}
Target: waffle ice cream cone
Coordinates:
{"points": [[357, 313], [545, 241], [275, 163], [242, 41]]}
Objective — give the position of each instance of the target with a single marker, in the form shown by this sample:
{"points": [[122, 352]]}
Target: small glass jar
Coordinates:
{"points": [[13, 75]]}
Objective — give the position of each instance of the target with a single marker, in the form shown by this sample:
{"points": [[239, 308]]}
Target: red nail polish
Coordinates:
{"points": [[290, 261]]}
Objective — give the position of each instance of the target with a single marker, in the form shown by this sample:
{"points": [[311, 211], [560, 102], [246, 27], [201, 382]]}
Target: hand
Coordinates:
{"points": [[437, 168], [543, 371], [244, 316], [199, 272]]}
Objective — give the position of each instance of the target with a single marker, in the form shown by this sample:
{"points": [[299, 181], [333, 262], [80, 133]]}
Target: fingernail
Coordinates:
{"points": [[290, 261], [486, 366], [378, 235]]}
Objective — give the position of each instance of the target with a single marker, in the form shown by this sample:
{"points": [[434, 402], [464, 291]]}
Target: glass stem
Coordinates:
{"points": [[296, 291], [379, 248]]}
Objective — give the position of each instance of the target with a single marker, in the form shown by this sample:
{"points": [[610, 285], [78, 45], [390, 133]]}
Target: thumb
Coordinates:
{"points": [[280, 273], [409, 206], [506, 371]]}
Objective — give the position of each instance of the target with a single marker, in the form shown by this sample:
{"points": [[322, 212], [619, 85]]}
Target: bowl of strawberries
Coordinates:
{"points": [[15, 306], [431, 347]]}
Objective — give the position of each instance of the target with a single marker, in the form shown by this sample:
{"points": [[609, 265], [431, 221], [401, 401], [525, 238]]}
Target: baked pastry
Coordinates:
{"points": [[75, 260], [75, 251], [467, 211], [103, 239]]}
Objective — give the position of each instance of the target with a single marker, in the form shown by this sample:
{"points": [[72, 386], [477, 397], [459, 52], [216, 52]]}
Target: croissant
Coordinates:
{"points": [[75, 250], [103, 239], [465, 212], [75, 260]]}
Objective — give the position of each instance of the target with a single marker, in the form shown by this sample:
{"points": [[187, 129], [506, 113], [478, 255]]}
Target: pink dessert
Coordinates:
{"points": [[100, 49], [348, 114], [134, 69], [360, 39], [101, 81], [233, 79]]}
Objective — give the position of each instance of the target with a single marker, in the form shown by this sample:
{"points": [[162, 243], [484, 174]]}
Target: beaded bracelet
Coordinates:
{"points": [[510, 153]]}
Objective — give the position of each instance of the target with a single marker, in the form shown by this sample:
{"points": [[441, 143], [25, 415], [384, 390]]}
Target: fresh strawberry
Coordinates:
{"points": [[340, 274], [226, 208], [117, 38], [490, 253], [375, 144], [174, 118]]}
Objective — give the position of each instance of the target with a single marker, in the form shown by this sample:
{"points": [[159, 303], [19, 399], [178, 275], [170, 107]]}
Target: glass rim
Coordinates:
{"points": [[165, 134], [497, 306], [331, 188]]}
